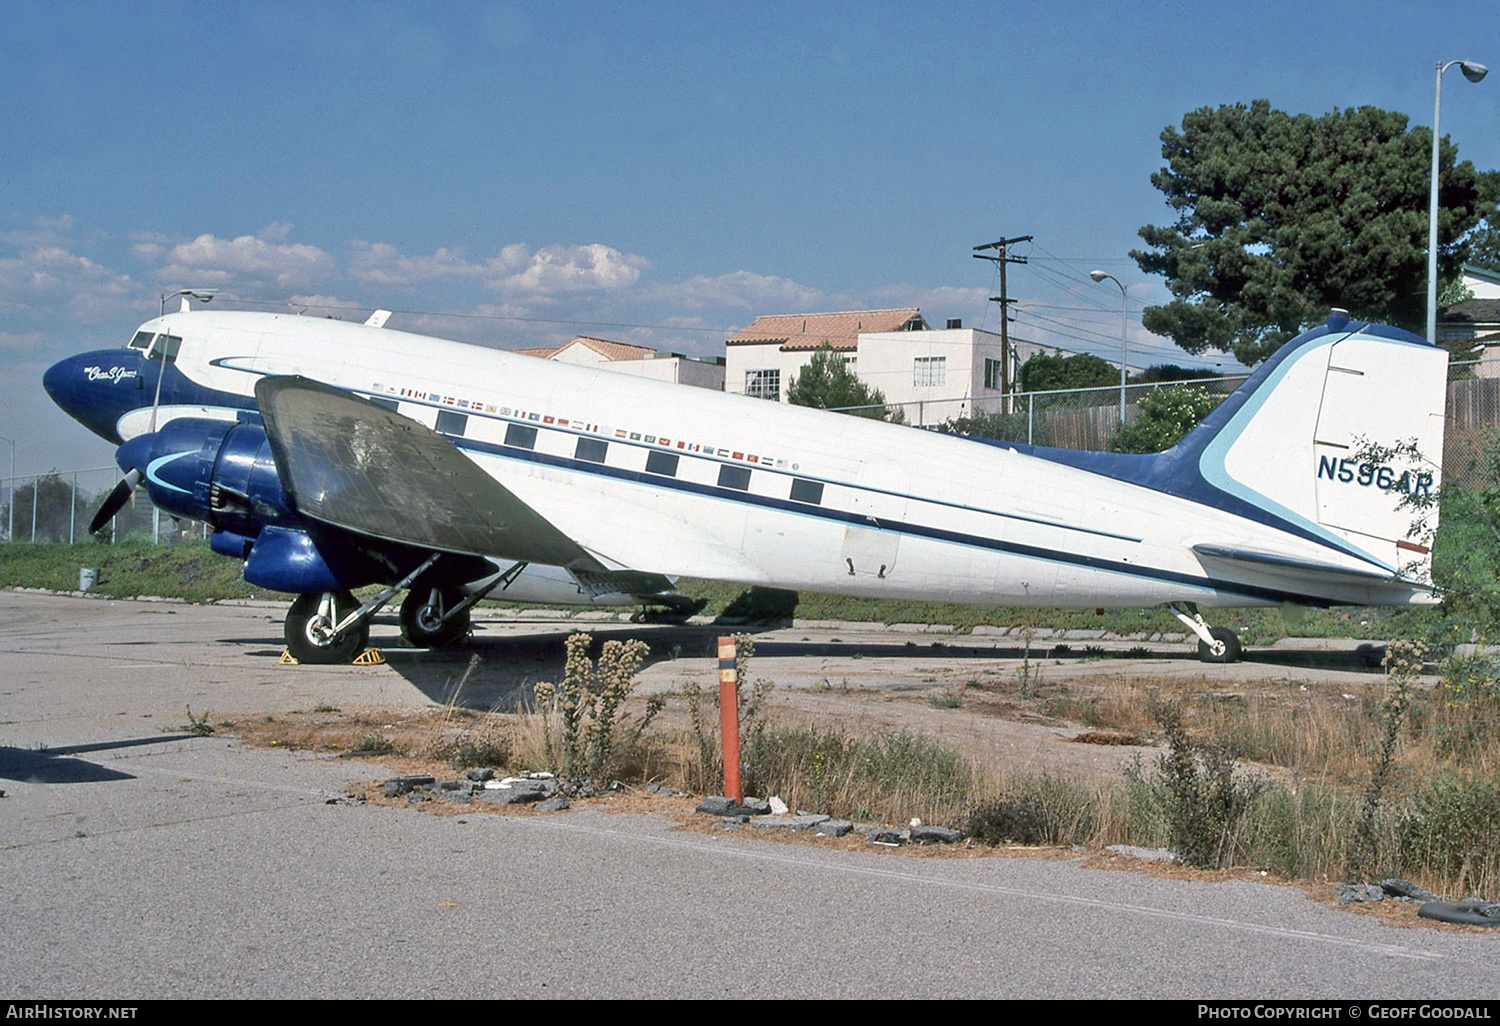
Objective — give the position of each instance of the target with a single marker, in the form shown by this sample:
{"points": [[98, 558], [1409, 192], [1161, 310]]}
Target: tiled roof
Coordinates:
{"points": [[1471, 311], [604, 347], [814, 331]]}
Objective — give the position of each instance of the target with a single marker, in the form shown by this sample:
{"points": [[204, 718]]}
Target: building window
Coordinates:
{"points": [[591, 449], [520, 436], [763, 384], [994, 374], [929, 370], [450, 423], [734, 477], [663, 463], [807, 491]]}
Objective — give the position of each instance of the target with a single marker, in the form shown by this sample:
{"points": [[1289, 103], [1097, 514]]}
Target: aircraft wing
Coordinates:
{"points": [[357, 466]]}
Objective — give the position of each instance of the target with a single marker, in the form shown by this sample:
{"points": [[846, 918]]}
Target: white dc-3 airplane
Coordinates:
{"points": [[330, 455]]}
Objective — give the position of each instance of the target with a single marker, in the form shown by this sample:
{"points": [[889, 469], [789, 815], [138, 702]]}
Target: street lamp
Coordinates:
{"points": [[1473, 72], [1124, 338], [201, 295]]}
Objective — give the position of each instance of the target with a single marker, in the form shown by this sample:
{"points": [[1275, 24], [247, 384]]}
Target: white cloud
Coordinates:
{"points": [[739, 289], [49, 277], [21, 343], [245, 260], [515, 270], [554, 269], [940, 302], [380, 263], [44, 231]]}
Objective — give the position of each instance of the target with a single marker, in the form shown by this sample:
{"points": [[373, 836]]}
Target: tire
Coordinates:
{"points": [[1226, 647], [449, 632], [307, 646]]}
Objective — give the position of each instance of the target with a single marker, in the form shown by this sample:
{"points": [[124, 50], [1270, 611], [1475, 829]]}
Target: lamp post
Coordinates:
{"points": [[1473, 72], [1124, 325], [10, 528], [203, 296]]}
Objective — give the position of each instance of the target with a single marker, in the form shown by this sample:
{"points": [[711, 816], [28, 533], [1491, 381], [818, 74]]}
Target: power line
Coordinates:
{"points": [[488, 317]]}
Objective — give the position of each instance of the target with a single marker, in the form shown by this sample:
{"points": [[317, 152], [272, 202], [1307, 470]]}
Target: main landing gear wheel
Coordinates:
{"points": [[422, 622], [310, 623], [1225, 647]]}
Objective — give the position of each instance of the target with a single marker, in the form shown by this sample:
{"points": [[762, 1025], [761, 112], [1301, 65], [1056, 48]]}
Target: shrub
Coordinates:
{"points": [[588, 706], [1203, 802]]}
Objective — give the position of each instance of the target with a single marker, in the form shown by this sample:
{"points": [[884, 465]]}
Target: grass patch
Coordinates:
{"points": [[889, 777], [189, 570]]}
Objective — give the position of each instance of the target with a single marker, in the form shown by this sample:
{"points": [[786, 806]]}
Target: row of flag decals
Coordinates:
{"points": [[551, 420]]}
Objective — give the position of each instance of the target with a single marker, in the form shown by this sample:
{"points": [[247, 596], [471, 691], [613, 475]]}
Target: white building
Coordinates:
{"points": [[642, 361], [1471, 329], [932, 374]]}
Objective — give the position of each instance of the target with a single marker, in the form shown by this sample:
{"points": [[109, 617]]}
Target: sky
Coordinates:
{"points": [[661, 173]]}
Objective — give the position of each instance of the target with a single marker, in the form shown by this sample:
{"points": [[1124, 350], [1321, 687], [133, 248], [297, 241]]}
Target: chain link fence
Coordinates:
{"points": [[57, 506], [1078, 418]]}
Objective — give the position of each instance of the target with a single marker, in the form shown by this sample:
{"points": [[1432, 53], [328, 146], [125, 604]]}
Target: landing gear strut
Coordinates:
{"points": [[1215, 644], [433, 615], [423, 622], [312, 634], [332, 626]]}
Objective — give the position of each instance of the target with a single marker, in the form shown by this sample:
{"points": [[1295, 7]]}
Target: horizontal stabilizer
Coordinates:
{"points": [[1290, 568], [354, 465]]}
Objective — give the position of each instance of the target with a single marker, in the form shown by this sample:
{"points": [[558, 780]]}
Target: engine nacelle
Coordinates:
{"points": [[223, 473], [218, 471]]}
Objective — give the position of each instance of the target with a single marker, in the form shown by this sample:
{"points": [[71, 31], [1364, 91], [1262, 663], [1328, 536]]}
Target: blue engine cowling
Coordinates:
{"points": [[223, 473]]}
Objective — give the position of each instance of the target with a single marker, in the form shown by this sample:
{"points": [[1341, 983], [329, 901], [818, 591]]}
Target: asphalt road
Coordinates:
{"points": [[140, 863]]}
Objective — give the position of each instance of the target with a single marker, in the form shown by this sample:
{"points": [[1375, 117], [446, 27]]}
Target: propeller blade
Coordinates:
{"points": [[115, 500]]}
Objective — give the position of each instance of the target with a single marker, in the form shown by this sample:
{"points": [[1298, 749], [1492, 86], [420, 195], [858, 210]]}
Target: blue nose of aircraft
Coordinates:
{"points": [[97, 389]]}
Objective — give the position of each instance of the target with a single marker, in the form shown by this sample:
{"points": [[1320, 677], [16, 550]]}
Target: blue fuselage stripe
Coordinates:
{"points": [[861, 520]]}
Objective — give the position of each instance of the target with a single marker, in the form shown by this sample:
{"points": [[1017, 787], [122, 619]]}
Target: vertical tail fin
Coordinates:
{"points": [[1336, 434]]}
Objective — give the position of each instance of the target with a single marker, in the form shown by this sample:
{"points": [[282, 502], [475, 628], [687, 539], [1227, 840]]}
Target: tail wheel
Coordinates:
{"points": [[1225, 647], [422, 622], [309, 629]]}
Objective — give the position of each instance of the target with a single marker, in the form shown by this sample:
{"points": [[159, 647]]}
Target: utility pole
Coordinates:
{"points": [[1000, 259]]}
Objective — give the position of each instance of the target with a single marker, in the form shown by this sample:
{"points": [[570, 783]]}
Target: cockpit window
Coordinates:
{"points": [[164, 348], [142, 340]]}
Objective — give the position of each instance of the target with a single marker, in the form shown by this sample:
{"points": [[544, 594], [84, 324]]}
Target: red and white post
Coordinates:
{"points": [[729, 719]]}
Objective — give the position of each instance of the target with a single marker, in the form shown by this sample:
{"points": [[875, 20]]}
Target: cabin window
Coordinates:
{"points": [[929, 370], [390, 404], [763, 384], [810, 492], [734, 477], [663, 463], [450, 423], [520, 436], [591, 449]]}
